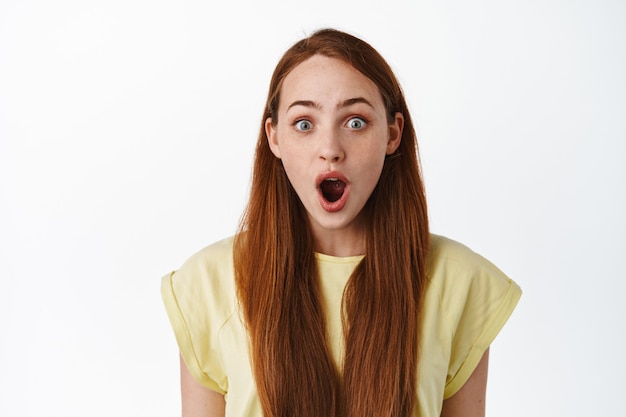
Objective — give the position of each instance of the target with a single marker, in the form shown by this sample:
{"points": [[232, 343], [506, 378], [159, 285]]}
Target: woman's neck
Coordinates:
{"points": [[340, 243]]}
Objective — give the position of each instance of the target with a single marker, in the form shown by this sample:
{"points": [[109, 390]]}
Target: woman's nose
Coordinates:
{"points": [[331, 149]]}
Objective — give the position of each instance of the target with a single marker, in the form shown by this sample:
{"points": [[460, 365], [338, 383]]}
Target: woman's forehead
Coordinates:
{"points": [[327, 82]]}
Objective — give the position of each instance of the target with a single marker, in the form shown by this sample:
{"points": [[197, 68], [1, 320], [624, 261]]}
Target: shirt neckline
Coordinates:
{"points": [[338, 259]]}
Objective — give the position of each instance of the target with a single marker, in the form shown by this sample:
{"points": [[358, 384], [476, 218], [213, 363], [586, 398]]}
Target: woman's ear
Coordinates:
{"points": [[395, 133], [272, 138]]}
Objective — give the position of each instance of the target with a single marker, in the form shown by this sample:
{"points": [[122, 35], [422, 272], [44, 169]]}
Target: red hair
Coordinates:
{"points": [[277, 277]]}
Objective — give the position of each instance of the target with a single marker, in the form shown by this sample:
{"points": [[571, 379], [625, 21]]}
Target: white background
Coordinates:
{"points": [[126, 137]]}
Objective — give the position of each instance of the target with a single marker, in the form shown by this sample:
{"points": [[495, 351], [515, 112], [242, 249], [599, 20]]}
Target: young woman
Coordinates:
{"points": [[334, 299]]}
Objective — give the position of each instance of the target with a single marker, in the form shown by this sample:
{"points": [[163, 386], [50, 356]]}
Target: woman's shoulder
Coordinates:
{"points": [[443, 248], [453, 265], [216, 255], [452, 255], [207, 273]]}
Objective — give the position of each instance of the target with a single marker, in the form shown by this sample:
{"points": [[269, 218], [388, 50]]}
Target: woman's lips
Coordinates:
{"points": [[333, 189]]}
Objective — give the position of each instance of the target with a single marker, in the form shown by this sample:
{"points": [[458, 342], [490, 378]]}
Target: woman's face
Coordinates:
{"points": [[332, 135]]}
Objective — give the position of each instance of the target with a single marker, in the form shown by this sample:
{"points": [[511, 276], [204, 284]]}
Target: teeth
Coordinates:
{"points": [[332, 179]]}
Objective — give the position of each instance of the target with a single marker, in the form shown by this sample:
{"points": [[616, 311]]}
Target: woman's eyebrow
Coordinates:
{"points": [[351, 101], [305, 103], [345, 103]]}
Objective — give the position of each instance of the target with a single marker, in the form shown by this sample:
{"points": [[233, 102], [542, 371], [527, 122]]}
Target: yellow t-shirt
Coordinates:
{"points": [[467, 301]]}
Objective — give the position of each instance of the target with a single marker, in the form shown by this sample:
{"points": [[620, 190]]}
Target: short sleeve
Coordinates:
{"points": [[197, 300], [476, 300]]}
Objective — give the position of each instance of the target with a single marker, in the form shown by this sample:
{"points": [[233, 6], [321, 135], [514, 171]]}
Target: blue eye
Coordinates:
{"points": [[356, 123], [303, 125]]}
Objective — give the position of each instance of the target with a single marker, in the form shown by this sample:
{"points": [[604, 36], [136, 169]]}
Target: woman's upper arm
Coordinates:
{"points": [[469, 401], [197, 400]]}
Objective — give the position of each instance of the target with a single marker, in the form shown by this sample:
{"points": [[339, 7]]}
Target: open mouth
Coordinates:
{"points": [[332, 189]]}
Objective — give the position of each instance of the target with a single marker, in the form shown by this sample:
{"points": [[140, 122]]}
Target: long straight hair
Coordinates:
{"points": [[277, 276]]}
